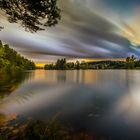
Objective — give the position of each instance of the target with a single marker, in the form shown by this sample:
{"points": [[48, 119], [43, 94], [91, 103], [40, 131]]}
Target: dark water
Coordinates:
{"points": [[104, 104]]}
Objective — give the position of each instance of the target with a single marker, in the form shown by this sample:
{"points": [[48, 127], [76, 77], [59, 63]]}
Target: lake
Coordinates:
{"points": [[103, 103]]}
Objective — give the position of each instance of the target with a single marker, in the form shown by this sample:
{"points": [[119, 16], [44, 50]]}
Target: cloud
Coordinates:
{"points": [[85, 31]]}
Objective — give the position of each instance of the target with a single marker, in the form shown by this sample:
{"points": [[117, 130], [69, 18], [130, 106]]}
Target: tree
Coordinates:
{"points": [[61, 64], [130, 62], [77, 65], [10, 60], [32, 14], [2, 53]]}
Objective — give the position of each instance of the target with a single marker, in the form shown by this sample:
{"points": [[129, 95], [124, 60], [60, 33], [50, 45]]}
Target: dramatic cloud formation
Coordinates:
{"points": [[88, 29]]}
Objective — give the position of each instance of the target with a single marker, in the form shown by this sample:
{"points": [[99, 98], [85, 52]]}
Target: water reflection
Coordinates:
{"points": [[89, 77], [101, 103], [10, 81]]}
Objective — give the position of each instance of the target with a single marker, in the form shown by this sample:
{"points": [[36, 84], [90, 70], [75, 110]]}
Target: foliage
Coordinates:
{"points": [[32, 14], [61, 64], [50, 131], [36, 130], [11, 61], [12, 66], [130, 62], [39, 130]]}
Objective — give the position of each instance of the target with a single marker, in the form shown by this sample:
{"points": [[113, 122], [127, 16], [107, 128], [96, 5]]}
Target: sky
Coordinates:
{"points": [[89, 29]]}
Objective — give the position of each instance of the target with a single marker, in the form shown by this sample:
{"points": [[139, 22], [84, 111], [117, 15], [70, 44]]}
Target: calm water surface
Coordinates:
{"points": [[104, 103]]}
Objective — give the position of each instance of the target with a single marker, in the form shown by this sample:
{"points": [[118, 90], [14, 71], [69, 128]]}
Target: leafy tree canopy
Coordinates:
{"points": [[10, 60], [32, 14]]}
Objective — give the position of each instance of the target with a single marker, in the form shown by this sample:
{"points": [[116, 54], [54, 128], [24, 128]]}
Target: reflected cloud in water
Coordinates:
{"points": [[99, 102]]}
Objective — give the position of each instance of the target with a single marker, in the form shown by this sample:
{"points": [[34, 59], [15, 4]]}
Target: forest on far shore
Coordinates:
{"points": [[62, 64]]}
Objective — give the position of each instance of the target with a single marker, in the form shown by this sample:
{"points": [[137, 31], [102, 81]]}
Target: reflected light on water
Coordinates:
{"points": [[94, 101], [129, 107], [88, 77]]}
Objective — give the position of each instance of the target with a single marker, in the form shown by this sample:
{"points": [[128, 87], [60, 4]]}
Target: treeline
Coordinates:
{"points": [[11, 61], [62, 64]]}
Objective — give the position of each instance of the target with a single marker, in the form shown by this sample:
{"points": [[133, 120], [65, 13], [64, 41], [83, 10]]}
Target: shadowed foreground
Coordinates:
{"points": [[37, 130]]}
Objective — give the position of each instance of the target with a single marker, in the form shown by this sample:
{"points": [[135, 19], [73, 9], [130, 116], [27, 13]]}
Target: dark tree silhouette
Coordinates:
{"points": [[130, 62], [61, 64], [32, 14]]}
